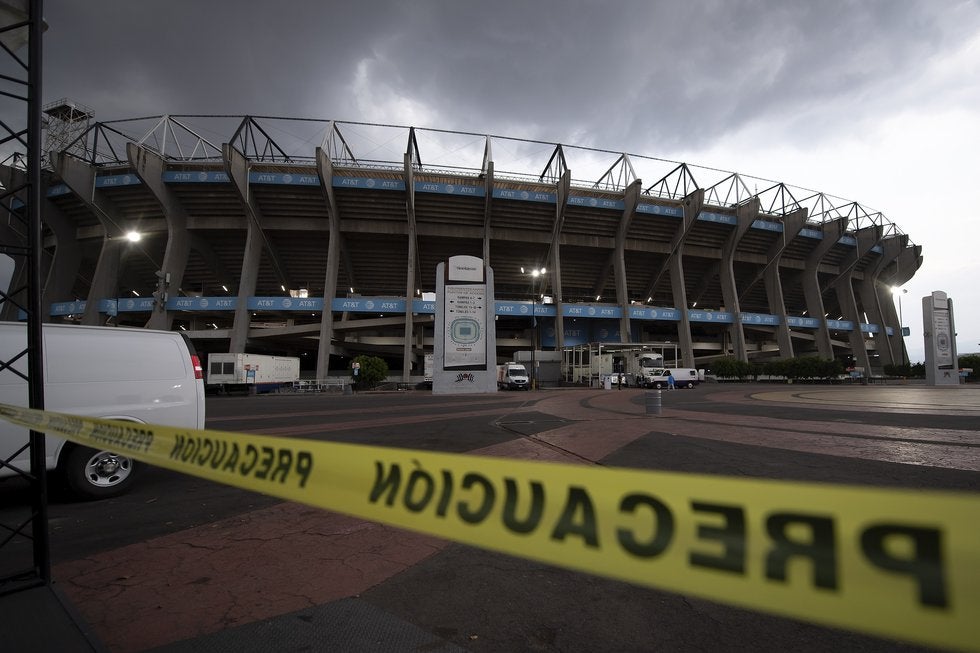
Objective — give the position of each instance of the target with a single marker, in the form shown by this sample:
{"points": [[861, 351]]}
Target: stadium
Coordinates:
{"points": [[320, 239]]}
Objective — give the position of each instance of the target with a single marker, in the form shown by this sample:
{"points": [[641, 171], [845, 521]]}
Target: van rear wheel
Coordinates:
{"points": [[93, 474]]}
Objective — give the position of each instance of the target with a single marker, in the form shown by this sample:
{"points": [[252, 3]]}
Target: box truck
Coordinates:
{"points": [[251, 372], [135, 375], [512, 376]]}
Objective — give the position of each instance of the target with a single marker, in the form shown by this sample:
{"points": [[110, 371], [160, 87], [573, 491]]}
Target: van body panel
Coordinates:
{"points": [[138, 375]]}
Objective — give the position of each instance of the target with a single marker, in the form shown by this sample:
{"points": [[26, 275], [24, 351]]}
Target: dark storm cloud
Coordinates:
{"points": [[616, 75]]}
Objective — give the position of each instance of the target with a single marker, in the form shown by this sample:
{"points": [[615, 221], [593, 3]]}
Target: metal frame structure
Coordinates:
{"points": [[181, 139], [21, 199]]}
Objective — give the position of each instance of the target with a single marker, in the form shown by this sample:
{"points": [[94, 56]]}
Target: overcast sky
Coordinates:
{"points": [[873, 101]]}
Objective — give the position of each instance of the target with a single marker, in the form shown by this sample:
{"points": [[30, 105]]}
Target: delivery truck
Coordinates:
{"points": [[512, 376], [251, 373]]}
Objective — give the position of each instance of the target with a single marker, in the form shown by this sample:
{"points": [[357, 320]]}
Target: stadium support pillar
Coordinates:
{"points": [[487, 199], [150, 167], [410, 272], [19, 278], [325, 169], [80, 177], [832, 231], [692, 207], [874, 296], [67, 257], [792, 226], [631, 197], [237, 168], [898, 273], [562, 189], [59, 277], [745, 215], [843, 285]]}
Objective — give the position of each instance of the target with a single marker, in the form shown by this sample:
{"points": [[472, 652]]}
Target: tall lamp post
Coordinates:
{"points": [[535, 274], [898, 292]]}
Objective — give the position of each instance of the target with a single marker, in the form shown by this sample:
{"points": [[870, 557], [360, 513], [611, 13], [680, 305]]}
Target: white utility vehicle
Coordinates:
{"points": [[135, 375], [684, 377], [512, 376]]}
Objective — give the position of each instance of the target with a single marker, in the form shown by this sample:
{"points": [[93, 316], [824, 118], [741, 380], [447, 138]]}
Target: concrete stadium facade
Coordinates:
{"points": [[249, 244]]}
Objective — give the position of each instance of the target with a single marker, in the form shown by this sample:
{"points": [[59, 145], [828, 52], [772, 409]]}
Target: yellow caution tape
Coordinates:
{"points": [[902, 564]]}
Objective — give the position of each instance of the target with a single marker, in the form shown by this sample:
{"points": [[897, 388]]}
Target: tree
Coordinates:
{"points": [[372, 372]]}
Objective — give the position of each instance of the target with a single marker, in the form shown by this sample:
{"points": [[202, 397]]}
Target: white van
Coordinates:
{"points": [[136, 375], [684, 377]]}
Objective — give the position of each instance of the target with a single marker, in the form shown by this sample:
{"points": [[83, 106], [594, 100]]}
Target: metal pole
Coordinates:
{"points": [[534, 339], [42, 552]]}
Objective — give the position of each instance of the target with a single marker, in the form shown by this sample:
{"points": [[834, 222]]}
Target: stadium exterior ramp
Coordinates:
{"points": [[320, 239]]}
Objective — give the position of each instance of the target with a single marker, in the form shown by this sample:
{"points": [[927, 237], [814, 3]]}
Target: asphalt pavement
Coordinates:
{"points": [[181, 564]]}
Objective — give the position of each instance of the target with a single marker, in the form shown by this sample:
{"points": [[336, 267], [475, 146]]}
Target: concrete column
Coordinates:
{"points": [[745, 215], [631, 199], [17, 241], [410, 272], [867, 238], [563, 188], [792, 226], [692, 207], [898, 273], [150, 167], [80, 178], [487, 208], [237, 168], [14, 235], [832, 231], [65, 263], [874, 296], [325, 168]]}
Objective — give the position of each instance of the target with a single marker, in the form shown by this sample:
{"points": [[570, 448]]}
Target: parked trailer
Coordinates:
{"points": [[251, 373]]}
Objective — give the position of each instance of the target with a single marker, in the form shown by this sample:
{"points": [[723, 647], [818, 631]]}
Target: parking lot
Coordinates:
{"points": [[184, 564]]}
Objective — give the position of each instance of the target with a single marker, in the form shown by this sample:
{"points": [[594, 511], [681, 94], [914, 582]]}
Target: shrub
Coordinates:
{"points": [[373, 371]]}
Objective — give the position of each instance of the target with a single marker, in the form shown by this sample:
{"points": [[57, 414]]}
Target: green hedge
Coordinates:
{"points": [[803, 367]]}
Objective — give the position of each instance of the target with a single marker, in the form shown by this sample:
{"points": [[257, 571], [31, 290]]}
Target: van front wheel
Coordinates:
{"points": [[92, 474]]}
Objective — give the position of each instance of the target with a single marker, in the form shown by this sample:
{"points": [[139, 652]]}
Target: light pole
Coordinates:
{"points": [[535, 273], [901, 320]]}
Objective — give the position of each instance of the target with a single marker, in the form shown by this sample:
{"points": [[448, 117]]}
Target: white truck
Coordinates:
{"points": [[251, 372], [641, 366], [684, 377], [135, 375], [427, 372], [512, 376]]}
